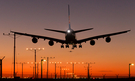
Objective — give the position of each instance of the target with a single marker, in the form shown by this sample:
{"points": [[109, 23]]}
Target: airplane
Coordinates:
{"points": [[70, 36]]}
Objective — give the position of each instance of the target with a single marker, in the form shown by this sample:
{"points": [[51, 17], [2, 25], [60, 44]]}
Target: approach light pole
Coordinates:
{"points": [[73, 66], [47, 63], [88, 68], [61, 69], [129, 68], [65, 72], [35, 50], [22, 65], [55, 67]]}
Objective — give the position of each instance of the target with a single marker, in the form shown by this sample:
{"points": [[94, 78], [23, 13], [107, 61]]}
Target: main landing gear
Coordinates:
{"points": [[62, 46], [73, 46]]}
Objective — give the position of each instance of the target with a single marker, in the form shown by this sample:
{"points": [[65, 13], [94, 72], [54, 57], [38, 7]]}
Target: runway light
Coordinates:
{"points": [[132, 64], [27, 48], [44, 60]]}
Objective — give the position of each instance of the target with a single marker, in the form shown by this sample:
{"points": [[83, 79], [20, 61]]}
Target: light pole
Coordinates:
{"points": [[48, 63], [65, 71], [73, 66], [42, 66], [35, 50], [61, 69], [55, 66], [88, 68], [129, 68], [33, 71], [14, 49]]}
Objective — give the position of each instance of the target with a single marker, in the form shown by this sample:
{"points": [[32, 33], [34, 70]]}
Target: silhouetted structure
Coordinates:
{"points": [[14, 48], [48, 63], [35, 51], [1, 67]]}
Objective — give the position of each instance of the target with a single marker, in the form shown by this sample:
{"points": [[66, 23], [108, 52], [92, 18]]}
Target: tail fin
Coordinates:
{"points": [[69, 16]]}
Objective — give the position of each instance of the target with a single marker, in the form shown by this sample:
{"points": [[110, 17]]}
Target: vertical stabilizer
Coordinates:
{"points": [[69, 16]]}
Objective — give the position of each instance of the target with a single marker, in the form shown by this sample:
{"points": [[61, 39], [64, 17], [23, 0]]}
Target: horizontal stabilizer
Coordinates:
{"points": [[83, 30], [56, 30]]}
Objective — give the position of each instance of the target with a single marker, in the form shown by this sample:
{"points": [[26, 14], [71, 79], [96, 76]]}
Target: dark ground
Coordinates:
{"points": [[109, 79]]}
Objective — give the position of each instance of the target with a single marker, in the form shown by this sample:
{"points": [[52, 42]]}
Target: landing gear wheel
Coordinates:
{"points": [[67, 46], [80, 46], [62, 46]]}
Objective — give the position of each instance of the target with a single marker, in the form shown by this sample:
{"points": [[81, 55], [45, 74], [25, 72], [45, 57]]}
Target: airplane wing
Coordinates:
{"points": [[56, 30], [77, 31], [38, 36], [101, 36]]}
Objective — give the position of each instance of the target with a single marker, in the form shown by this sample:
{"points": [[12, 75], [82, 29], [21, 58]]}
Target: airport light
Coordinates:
{"points": [[65, 71], [61, 69], [88, 68], [35, 50], [22, 65], [73, 66], [55, 66], [33, 70], [47, 63], [130, 64], [42, 66]]}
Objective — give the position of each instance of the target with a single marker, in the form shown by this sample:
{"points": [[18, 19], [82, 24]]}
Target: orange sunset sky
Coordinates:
{"points": [[105, 16]]}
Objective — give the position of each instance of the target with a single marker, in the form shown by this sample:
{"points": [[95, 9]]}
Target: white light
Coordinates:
{"points": [[132, 64], [68, 31], [44, 60], [43, 48], [27, 48]]}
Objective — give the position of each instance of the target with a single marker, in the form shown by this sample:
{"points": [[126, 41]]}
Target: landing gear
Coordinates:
{"points": [[80, 46], [72, 47], [62, 46], [75, 46], [67, 46]]}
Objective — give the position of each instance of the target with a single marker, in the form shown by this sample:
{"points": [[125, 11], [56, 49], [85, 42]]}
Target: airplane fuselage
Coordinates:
{"points": [[70, 37]]}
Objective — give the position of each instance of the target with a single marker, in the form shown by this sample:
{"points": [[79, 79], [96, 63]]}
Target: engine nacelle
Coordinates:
{"points": [[92, 42], [108, 39], [34, 40], [51, 43]]}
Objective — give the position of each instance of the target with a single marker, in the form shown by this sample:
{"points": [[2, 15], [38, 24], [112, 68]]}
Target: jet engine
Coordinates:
{"points": [[51, 43], [34, 40], [92, 42], [108, 39]]}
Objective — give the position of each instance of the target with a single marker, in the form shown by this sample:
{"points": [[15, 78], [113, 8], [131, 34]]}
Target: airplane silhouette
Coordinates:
{"points": [[70, 37]]}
